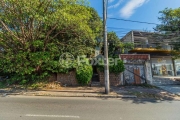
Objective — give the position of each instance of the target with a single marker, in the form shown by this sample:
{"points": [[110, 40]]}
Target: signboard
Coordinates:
{"points": [[160, 60], [135, 58]]}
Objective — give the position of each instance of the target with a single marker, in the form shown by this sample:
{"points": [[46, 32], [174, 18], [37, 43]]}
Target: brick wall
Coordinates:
{"points": [[114, 79], [52, 78], [69, 79]]}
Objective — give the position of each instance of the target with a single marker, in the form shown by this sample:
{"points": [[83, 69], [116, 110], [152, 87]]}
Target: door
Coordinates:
{"points": [[137, 79]]}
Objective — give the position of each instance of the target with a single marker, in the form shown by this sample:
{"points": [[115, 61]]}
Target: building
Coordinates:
{"points": [[159, 47]]}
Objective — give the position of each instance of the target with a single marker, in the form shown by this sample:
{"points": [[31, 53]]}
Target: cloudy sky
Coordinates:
{"points": [[136, 10]]}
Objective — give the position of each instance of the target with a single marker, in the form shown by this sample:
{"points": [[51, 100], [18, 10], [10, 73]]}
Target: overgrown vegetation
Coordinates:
{"points": [[84, 71], [34, 34], [45, 85], [116, 66], [2, 84], [116, 46], [84, 74]]}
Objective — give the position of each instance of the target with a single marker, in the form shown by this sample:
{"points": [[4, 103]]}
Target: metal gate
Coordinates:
{"points": [[134, 74]]}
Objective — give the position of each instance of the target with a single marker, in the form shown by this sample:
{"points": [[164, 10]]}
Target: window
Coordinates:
{"points": [[162, 67], [177, 67]]}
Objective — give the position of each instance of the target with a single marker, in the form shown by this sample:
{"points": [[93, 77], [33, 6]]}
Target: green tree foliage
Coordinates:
{"points": [[117, 66], [170, 20], [115, 46], [122, 47], [170, 26], [96, 24], [33, 34], [113, 41]]}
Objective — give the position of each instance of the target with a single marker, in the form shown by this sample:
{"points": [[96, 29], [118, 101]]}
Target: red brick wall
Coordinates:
{"points": [[52, 78], [69, 79], [114, 79]]}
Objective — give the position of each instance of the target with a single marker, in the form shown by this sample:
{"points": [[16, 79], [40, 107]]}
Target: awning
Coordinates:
{"points": [[151, 50]]}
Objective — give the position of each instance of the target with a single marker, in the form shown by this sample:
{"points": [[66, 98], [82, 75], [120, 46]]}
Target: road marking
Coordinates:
{"points": [[55, 116]]}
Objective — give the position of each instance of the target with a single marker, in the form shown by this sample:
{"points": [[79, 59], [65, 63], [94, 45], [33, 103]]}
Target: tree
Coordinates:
{"points": [[35, 33], [170, 26], [122, 47], [115, 46], [113, 41], [96, 24], [170, 20]]}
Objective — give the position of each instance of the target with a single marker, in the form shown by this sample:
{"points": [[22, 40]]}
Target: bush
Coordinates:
{"points": [[2, 84], [84, 74], [113, 67], [117, 68]]}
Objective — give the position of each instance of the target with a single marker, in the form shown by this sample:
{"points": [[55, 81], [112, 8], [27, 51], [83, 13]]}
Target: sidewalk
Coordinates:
{"points": [[67, 92], [175, 89], [115, 92], [151, 92]]}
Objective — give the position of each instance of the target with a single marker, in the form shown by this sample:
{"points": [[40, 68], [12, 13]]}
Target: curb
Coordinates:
{"points": [[82, 95]]}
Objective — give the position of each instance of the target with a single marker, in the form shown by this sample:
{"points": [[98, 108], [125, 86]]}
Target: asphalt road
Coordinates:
{"points": [[52, 108]]}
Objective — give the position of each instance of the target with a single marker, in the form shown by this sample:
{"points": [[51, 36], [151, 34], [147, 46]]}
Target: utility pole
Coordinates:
{"points": [[106, 63]]}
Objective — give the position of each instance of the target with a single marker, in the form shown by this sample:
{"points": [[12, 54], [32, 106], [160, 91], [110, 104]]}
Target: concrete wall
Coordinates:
{"points": [[128, 38], [148, 72]]}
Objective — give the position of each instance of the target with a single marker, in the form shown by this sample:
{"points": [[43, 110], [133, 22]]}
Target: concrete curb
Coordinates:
{"points": [[69, 95]]}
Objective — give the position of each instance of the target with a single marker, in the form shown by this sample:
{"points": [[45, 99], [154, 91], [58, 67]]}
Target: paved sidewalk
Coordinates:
{"points": [[175, 89], [67, 92], [147, 92], [115, 92]]}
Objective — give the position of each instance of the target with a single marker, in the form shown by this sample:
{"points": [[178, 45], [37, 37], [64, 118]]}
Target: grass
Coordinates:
{"points": [[34, 86], [45, 85]]}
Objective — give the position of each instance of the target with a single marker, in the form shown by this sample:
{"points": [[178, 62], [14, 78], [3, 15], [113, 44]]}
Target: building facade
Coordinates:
{"points": [[159, 48]]}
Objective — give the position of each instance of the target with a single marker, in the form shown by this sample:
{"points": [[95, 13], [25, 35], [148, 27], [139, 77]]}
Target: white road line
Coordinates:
{"points": [[55, 116]]}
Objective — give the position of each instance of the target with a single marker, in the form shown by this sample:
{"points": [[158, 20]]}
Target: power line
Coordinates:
{"points": [[145, 30], [121, 31], [126, 29], [120, 28], [133, 21], [143, 22]]}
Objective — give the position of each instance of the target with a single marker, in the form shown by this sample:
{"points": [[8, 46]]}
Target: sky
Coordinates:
{"points": [[136, 10]]}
